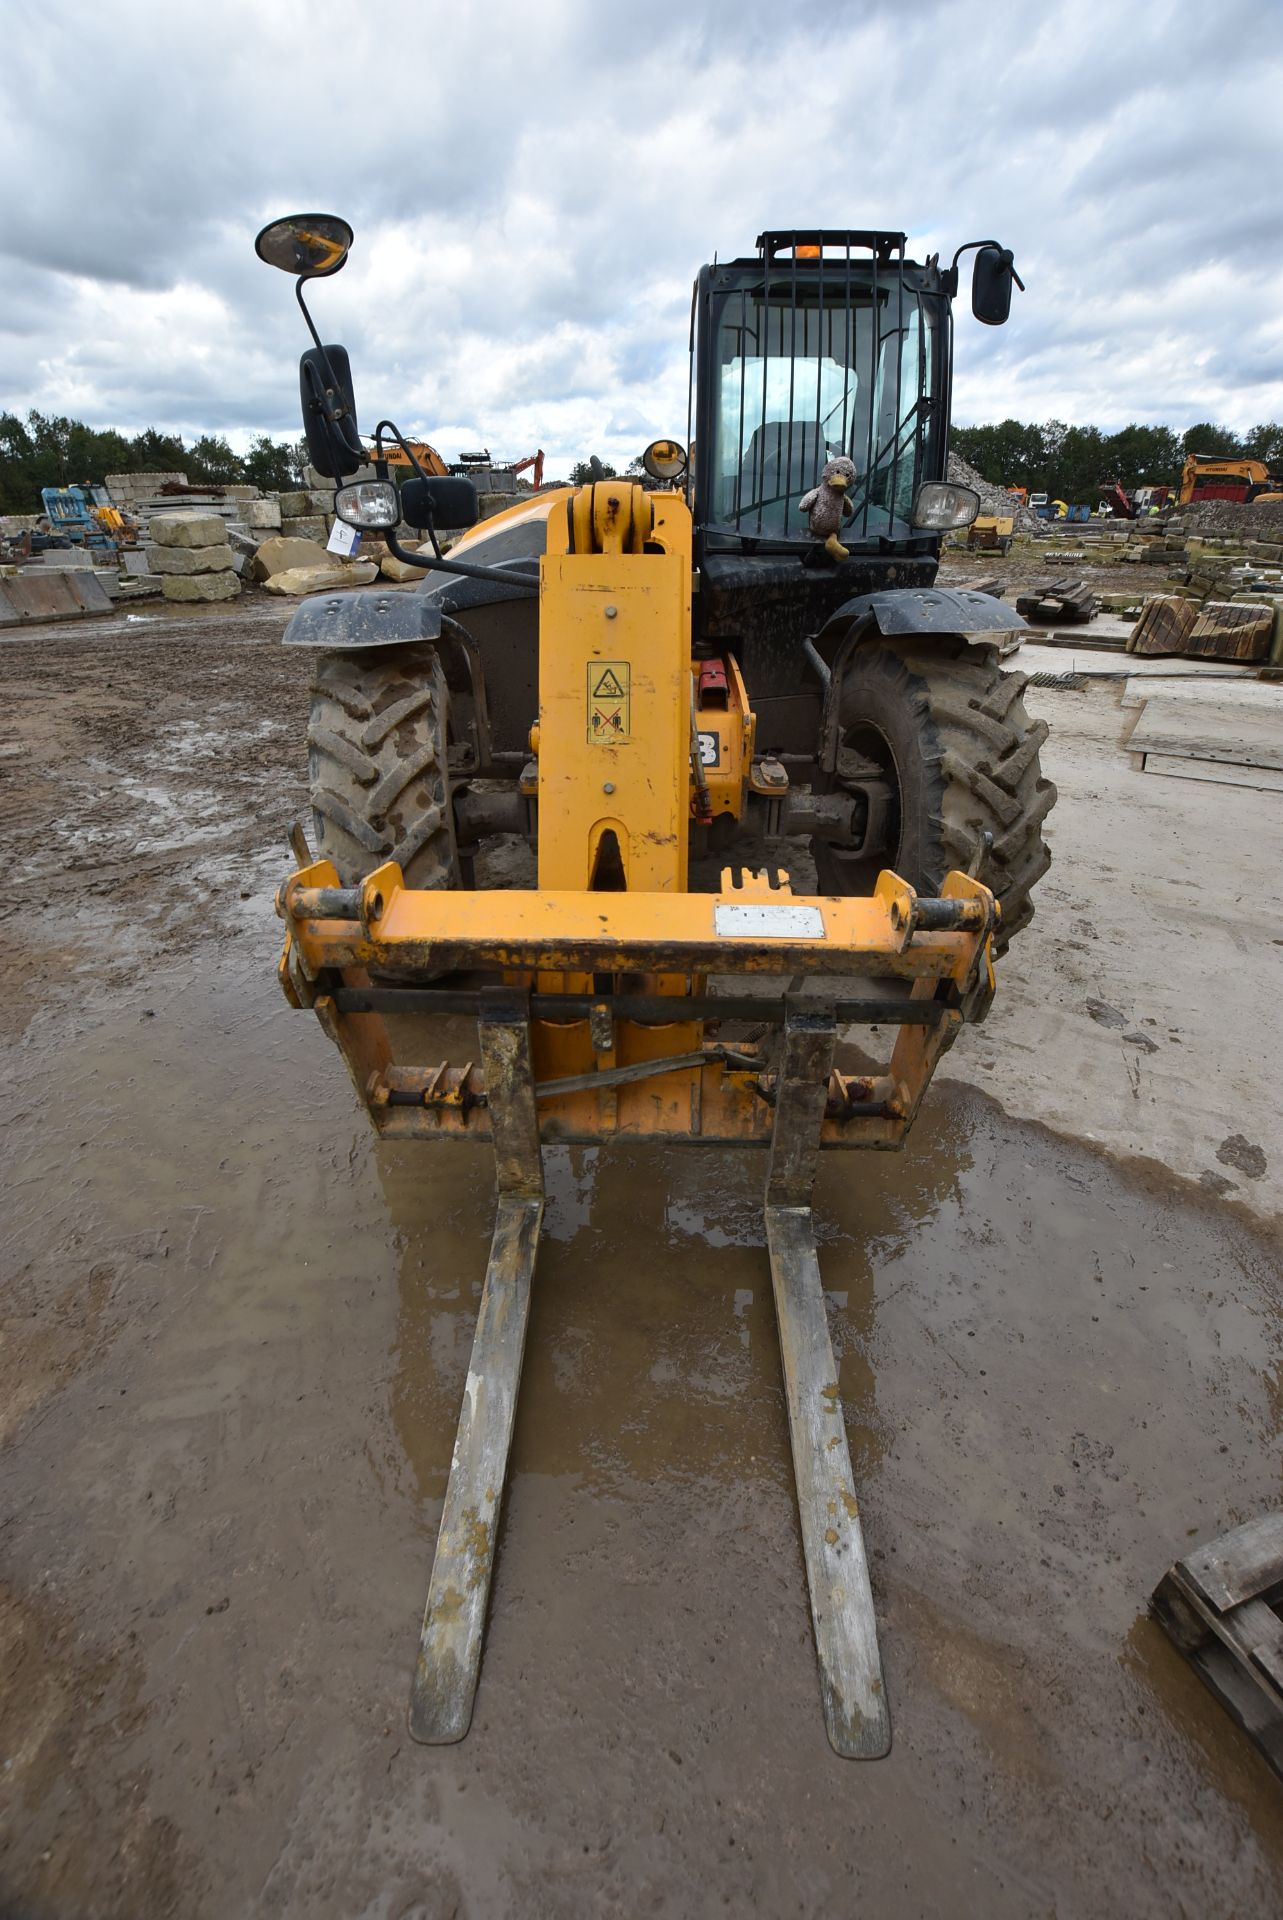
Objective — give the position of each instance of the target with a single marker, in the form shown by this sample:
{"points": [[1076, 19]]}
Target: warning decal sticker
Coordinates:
{"points": [[608, 700]]}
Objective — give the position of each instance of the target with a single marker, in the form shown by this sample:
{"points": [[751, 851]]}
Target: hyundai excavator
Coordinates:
{"points": [[644, 683]]}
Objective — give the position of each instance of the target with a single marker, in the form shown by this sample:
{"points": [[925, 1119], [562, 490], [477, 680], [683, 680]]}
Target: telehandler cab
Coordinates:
{"points": [[638, 679]]}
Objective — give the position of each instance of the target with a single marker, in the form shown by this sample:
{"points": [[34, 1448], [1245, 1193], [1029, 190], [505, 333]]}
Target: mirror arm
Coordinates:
{"points": [[433, 563], [394, 433], [969, 246], [299, 285], [436, 562]]}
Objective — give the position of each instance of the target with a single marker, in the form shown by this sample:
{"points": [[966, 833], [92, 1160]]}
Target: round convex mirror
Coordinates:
{"points": [[664, 460], [305, 243]]}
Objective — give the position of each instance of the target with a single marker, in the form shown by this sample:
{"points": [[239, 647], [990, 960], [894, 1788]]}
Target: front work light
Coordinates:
{"points": [[940, 506], [370, 504]]}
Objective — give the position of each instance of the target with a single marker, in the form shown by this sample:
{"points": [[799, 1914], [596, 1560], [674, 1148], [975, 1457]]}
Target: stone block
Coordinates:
{"points": [[216, 559], [304, 526], [393, 569], [292, 504], [264, 514], [320, 499], [317, 483], [200, 586], [187, 529], [278, 555], [297, 581]]}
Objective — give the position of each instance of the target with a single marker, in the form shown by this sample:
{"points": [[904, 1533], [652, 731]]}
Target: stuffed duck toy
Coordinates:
{"points": [[826, 504]]}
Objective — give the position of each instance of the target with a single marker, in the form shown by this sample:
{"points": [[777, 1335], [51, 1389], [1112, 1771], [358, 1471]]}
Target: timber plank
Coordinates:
{"points": [[1241, 1564], [1220, 772]]}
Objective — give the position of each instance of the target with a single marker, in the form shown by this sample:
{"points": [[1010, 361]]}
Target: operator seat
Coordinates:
{"points": [[781, 463]]}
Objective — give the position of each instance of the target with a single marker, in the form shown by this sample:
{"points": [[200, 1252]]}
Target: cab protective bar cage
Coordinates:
{"points": [[813, 299]]}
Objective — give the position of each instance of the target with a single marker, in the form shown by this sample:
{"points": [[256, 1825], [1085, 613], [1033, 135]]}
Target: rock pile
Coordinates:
{"points": [[191, 554], [992, 499]]}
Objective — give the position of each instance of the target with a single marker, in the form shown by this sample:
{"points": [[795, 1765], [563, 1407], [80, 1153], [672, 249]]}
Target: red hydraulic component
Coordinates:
{"points": [[713, 690]]}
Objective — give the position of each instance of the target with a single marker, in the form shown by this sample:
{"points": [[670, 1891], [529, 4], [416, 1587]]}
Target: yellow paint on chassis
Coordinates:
{"points": [[612, 913]]}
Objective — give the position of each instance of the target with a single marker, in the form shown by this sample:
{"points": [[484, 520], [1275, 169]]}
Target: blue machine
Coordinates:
{"points": [[70, 512]]}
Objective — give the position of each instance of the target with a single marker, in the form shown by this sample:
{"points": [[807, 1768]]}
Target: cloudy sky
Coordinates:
{"points": [[534, 182]]}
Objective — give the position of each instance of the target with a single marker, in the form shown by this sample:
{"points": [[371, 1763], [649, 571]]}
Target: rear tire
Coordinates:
{"points": [[949, 735], [378, 767]]}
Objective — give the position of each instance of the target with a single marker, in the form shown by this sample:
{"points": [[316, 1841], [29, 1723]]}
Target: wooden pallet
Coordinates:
{"points": [[1221, 1607], [1232, 630], [1165, 625], [1069, 600], [1221, 630]]}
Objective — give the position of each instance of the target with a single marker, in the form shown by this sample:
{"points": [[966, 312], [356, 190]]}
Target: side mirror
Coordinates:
{"points": [[305, 244], [446, 504], [329, 412], [991, 280]]}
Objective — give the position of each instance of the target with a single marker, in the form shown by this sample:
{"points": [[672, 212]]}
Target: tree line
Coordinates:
{"points": [[43, 451], [1069, 463]]}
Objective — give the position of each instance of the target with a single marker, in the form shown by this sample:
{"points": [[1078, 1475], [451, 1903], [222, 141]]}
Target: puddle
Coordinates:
{"points": [[236, 1337]]}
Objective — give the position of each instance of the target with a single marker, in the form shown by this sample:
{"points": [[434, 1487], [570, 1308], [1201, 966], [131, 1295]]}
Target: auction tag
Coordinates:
{"points": [[608, 702], [343, 539]]}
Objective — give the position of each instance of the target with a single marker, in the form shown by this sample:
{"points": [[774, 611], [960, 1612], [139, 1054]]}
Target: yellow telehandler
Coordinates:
{"points": [[644, 681]]}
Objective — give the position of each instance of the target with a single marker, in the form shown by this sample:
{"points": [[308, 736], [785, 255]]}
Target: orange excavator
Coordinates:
{"points": [[1206, 476], [534, 460], [432, 463], [428, 457]]}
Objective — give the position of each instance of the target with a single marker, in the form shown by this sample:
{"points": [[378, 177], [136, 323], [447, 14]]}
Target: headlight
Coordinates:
{"points": [[940, 506], [368, 503]]}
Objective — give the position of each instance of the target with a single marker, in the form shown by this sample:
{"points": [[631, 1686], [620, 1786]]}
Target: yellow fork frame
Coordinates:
{"points": [[714, 1093]]}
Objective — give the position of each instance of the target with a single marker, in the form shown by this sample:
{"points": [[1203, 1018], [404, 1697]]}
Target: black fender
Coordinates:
{"points": [[898, 613], [354, 618], [943, 610]]}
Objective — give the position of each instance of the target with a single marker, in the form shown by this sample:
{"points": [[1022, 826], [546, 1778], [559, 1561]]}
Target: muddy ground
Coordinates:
{"points": [[235, 1333]]}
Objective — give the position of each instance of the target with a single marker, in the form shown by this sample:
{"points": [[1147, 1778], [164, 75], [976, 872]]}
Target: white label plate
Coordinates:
{"points": [[762, 920], [344, 539]]}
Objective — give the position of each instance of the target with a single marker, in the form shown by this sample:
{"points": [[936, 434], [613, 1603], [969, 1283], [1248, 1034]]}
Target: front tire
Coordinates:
{"points": [[378, 767], [940, 744]]}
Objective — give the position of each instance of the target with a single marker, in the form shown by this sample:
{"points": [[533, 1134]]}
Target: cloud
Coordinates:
{"points": [[533, 189]]}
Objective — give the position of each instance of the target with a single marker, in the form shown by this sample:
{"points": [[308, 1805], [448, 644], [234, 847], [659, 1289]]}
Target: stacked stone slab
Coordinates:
{"points": [[303, 515], [129, 490], [191, 553]]}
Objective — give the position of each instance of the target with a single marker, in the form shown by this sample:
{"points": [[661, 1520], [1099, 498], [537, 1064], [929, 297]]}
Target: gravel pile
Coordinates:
{"points": [[1233, 519], [992, 499]]}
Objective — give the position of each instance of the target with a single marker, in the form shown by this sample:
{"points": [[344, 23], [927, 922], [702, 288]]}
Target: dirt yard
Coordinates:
{"points": [[235, 1334]]}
